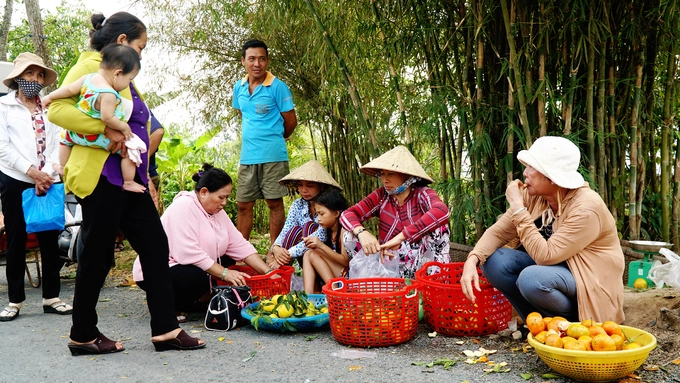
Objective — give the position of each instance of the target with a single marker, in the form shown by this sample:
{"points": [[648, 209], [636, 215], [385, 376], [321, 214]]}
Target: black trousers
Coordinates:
{"points": [[15, 230], [108, 208], [190, 284]]}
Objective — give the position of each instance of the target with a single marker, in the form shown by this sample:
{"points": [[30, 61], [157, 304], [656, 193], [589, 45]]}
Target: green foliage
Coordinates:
{"points": [[66, 31]]}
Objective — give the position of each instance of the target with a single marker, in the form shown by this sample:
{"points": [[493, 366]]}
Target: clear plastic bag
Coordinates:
{"points": [[362, 266], [666, 273]]}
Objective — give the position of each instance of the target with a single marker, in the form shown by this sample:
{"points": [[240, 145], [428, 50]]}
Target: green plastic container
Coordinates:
{"points": [[639, 269]]}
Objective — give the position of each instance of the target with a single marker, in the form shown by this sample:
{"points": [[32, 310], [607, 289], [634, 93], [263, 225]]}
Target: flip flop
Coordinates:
{"points": [[101, 345], [58, 307], [183, 341], [11, 313]]}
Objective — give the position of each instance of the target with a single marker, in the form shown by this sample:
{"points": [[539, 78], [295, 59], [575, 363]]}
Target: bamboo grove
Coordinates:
{"points": [[465, 85]]}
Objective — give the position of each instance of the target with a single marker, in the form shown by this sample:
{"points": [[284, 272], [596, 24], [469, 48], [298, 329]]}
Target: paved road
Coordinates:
{"points": [[33, 349]]}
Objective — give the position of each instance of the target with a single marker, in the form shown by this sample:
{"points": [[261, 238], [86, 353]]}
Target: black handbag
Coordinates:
{"points": [[224, 310]]}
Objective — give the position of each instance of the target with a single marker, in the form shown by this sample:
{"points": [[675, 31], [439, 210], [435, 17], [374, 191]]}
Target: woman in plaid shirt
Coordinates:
{"points": [[413, 220]]}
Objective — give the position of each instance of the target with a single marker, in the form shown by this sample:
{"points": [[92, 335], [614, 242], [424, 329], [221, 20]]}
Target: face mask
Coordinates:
{"points": [[402, 188], [30, 89]]}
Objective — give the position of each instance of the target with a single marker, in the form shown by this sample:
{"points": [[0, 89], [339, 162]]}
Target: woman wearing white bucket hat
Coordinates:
{"points": [[569, 260], [28, 150], [308, 180], [413, 219]]}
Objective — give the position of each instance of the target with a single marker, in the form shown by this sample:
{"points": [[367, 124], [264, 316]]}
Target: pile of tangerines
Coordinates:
{"points": [[585, 336]]}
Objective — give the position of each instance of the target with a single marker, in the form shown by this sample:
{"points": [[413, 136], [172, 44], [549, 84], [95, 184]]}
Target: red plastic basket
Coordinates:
{"points": [[372, 312], [449, 312], [263, 286]]}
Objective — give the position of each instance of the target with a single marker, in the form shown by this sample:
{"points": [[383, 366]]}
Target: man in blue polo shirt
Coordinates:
{"points": [[268, 118]]}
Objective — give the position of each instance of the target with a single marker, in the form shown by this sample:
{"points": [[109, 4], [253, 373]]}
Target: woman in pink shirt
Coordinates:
{"points": [[203, 241]]}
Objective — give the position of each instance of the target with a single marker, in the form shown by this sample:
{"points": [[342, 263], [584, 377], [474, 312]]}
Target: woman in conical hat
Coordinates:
{"points": [[413, 219], [308, 180]]}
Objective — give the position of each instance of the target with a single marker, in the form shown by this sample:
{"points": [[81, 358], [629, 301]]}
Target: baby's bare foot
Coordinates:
{"points": [[134, 187]]}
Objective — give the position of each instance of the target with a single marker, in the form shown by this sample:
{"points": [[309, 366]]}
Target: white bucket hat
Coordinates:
{"points": [[311, 171], [556, 158], [398, 160]]}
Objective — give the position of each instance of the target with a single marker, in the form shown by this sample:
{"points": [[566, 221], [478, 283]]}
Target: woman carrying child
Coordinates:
{"points": [[99, 98], [309, 180], [327, 259]]}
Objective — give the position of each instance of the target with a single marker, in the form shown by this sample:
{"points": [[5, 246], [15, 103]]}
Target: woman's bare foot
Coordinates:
{"points": [[170, 335], [133, 186]]}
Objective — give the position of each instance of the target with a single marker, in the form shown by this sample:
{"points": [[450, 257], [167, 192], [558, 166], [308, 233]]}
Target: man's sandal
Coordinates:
{"points": [[9, 313], [57, 307]]}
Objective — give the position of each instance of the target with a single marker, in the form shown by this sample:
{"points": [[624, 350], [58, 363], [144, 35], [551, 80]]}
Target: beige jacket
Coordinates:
{"points": [[584, 235]]}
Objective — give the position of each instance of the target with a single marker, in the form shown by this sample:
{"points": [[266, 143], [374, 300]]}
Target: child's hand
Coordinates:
{"points": [[127, 132], [312, 242]]}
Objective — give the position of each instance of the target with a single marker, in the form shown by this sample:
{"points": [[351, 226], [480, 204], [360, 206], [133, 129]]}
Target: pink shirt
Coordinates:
{"points": [[198, 238]]}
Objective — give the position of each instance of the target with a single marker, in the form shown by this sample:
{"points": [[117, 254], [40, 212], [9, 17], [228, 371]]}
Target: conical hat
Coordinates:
{"points": [[311, 171], [398, 160]]}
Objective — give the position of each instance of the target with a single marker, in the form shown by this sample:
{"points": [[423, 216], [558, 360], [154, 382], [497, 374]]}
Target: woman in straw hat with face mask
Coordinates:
{"points": [[308, 180], [28, 150], [413, 220], [569, 262]]}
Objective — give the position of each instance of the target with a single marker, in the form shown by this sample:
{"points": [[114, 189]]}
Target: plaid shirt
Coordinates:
{"points": [[421, 213]]}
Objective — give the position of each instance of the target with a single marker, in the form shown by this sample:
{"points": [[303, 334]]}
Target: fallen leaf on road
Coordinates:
{"points": [[220, 338], [677, 361], [650, 367], [354, 368]]}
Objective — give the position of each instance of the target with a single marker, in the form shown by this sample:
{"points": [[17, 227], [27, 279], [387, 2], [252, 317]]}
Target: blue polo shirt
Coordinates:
{"points": [[262, 123]]}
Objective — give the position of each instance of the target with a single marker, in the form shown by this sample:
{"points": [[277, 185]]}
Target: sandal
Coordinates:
{"points": [[183, 341], [9, 313], [57, 307], [101, 345]]}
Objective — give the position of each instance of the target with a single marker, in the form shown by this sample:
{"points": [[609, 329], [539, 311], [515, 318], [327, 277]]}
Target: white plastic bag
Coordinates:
{"points": [[362, 266], [666, 273]]}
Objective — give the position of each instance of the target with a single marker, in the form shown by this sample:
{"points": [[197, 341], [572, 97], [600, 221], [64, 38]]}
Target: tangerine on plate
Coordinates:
{"points": [[588, 322], [612, 328], [603, 342], [535, 323]]}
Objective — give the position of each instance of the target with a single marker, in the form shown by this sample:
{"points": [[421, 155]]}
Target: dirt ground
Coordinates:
{"points": [[643, 310]]}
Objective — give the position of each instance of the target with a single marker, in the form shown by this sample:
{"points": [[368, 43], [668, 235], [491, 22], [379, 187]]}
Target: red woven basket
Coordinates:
{"points": [[372, 312], [449, 312], [263, 286]]}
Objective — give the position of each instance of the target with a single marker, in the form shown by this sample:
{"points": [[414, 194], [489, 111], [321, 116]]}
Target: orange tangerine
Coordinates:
{"points": [[577, 330], [566, 340], [596, 330], [588, 322], [535, 323], [612, 328], [557, 322], [618, 340], [632, 345], [553, 340], [547, 320], [575, 345], [587, 342], [540, 337], [603, 342]]}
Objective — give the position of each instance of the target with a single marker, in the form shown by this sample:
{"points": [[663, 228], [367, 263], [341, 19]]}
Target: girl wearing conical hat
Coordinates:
{"points": [[308, 180], [413, 219]]}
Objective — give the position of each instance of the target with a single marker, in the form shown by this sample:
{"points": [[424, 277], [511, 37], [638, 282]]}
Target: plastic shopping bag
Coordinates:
{"points": [[45, 212], [666, 273], [362, 266]]}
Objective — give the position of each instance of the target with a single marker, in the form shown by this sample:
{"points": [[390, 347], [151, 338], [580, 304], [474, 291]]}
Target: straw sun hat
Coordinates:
{"points": [[556, 158], [398, 160], [23, 61], [311, 171]]}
